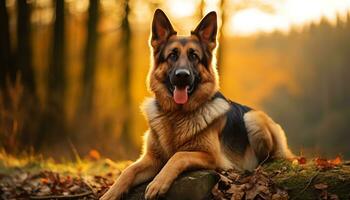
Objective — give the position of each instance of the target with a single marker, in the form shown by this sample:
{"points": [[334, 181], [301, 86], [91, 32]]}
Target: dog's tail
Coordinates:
{"points": [[281, 149], [266, 137]]}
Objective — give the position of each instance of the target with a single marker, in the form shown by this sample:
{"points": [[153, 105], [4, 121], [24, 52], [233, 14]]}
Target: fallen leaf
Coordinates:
{"points": [[43, 191], [327, 164], [94, 154], [248, 185], [301, 160], [333, 197], [323, 195], [323, 163], [237, 196], [321, 186], [44, 180], [336, 161]]}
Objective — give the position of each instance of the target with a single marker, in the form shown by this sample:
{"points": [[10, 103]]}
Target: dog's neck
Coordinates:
{"points": [[199, 119]]}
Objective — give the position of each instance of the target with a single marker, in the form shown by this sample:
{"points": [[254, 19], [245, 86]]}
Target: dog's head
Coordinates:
{"points": [[182, 75]]}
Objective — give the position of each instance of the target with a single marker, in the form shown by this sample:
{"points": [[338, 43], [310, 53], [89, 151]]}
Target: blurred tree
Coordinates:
{"points": [[221, 35], [201, 9], [319, 57], [23, 95], [90, 58], [53, 124], [56, 72], [24, 46], [125, 41], [6, 69]]}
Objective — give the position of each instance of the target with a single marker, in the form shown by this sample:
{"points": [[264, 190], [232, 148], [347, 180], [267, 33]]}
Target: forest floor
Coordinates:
{"points": [[32, 177]]}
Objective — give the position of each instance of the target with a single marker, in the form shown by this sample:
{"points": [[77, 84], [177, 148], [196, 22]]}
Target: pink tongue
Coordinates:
{"points": [[180, 95]]}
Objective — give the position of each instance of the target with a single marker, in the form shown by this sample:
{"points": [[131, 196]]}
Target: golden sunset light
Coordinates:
{"points": [[181, 8], [286, 14]]}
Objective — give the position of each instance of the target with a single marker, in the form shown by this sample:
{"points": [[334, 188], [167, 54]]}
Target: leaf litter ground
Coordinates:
{"points": [[35, 178]]}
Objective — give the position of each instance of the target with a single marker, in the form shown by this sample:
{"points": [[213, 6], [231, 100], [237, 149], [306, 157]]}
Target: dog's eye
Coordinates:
{"points": [[173, 56], [192, 56]]}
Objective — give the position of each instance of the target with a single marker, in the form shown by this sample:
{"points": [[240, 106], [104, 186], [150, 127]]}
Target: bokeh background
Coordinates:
{"points": [[72, 72]]}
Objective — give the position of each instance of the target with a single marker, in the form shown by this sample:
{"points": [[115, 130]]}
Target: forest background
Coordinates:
{"points": [[73, 73]]}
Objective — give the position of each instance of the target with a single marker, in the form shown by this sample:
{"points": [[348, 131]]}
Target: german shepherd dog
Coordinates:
{"points": [[191, 124]]}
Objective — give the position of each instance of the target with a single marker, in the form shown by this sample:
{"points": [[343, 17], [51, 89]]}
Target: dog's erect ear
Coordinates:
{"points": [[207, 29], [161, 28]]}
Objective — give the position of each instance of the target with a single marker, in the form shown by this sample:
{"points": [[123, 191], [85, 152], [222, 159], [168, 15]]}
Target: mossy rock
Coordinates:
{"points": [[300, 180], [195, 185]]}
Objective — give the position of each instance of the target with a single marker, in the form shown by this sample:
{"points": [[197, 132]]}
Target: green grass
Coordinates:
{"points": [[36, 163]]}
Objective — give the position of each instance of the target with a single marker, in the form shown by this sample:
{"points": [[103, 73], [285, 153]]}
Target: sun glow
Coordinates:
{"points": [[254, 20], [287, 14], [181, 8]]}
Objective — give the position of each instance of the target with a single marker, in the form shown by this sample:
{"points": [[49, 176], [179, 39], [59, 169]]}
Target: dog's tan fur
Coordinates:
{"points": [[183, 137]]}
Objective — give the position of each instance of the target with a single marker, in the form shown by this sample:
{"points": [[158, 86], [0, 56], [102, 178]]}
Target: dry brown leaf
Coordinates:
{"points": [[217, 193], [328, 164], [253, 185], [301, 160], [237, 196], [321, 186], [333, 197], [280, 196], [43, 191], [323, 163]]}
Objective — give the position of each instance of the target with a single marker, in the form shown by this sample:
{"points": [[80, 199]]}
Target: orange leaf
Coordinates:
{"points": [[322, 163], [44, 180], [94, 154], [336, 161]]}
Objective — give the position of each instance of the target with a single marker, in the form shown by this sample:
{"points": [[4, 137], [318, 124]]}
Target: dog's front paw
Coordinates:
{"points": [[112, 194], [156, 188]]}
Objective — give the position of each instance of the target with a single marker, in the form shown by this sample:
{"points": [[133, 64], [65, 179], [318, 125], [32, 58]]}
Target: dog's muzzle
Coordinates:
{"points": [[181, 84]]}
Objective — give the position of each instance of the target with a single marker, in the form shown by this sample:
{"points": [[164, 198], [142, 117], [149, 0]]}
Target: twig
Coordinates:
{"points": [[263, 162], [90, 187], [72, 196], [75, 151], [307, 185]]}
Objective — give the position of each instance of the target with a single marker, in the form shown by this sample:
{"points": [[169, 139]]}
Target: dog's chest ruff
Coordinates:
{"points": [[183, 124]]}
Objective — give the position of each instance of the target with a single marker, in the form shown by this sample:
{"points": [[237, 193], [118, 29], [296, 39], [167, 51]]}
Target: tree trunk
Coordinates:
{"points": [[53, 125], [56, 82], [201, 9], [5, 50], [28, 108], [126, 136], [221, 36], [24, 51], [90, 58]]}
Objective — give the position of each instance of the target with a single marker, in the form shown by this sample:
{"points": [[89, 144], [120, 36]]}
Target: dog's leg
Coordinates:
{"points": [[178, 163], [141, 171]]}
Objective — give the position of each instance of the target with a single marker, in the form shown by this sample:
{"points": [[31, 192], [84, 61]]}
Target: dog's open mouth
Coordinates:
{"points": [[181, 94], [181, 86]]}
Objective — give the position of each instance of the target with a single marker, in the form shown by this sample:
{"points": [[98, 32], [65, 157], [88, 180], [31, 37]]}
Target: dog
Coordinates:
{"points": [[191, 124]]}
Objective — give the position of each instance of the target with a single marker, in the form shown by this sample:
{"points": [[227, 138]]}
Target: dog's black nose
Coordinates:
{"points": [[182, 77], [182, 74]]}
